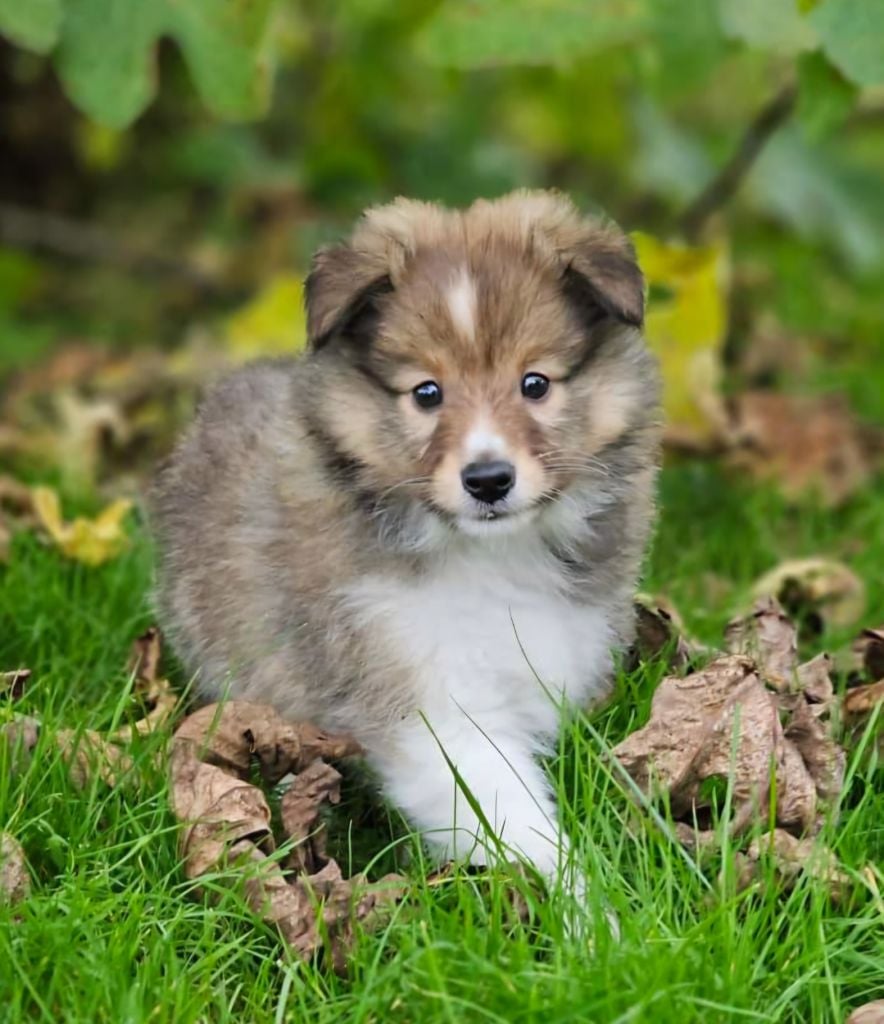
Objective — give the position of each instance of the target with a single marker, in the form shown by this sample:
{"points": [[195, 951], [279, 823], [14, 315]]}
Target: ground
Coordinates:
{"points": [[115, 933]]}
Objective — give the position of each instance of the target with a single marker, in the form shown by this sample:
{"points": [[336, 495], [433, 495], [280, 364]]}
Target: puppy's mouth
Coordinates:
{"points": [[484, 520]]}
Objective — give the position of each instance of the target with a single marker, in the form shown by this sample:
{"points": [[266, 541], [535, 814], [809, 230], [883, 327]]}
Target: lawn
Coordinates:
{"points": [[114, 932]]}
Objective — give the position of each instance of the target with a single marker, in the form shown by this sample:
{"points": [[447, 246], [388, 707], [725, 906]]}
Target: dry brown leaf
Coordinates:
{"points": [[300, 810], [869, 647], [227, 820], [857, 708], [659, 628], [815, 589], [155, 693], [815, 682], [722, 722], [86, 752], [824, 759], [767, 635], [90, 755], [802, 443], [13, 684], [16, 498], [869, 1013], [20, 736], [791, 858], [860, 701], [15, 882]]}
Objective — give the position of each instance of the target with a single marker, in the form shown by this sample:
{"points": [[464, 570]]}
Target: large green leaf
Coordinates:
{"points": [[478, 33], [768, 24], [852, 33], [107, 55], [818, 193], [32, 24], [825, 96]]}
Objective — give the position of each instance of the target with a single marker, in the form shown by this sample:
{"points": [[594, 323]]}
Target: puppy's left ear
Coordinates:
{"points": [[602, 276], [597, 261], [341, 293]]}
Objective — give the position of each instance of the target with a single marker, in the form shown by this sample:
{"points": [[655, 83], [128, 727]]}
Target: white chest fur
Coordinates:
{"points": [[489, 631]]}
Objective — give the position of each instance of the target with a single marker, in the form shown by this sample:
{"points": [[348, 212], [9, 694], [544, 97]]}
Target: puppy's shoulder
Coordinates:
{"points": [[250, 394]]}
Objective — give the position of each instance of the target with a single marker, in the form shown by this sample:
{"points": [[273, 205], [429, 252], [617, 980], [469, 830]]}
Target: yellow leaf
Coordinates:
{"points": [[272, 323], [92, 541], [685, 327]]}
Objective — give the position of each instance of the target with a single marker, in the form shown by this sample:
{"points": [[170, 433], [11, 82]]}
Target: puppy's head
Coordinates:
{"points": [[478, 365]]}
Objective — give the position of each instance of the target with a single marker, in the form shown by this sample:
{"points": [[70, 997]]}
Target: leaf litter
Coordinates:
{"points": [[760, 723], [227, 823], [15, 882], [87, 752]]}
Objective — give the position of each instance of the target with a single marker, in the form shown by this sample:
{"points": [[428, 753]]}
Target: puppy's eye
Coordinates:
{"points": [[428, 395], [535, 386]]}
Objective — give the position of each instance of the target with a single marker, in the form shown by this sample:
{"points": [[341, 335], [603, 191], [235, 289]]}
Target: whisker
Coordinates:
{"points": [[402, 483]]}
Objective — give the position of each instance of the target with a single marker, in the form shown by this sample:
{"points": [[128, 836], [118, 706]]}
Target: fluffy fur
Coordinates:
{"points": [[317, 547]]}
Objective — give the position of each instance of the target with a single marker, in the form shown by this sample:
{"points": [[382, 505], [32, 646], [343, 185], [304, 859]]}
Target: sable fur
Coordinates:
{"points": [[317, 550]]}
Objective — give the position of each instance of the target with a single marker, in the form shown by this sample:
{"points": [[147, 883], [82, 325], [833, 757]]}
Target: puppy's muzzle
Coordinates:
{"points": [[488, 481]]}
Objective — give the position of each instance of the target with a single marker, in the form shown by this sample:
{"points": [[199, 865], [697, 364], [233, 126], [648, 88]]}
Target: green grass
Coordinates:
{"points": [[113, 931]]}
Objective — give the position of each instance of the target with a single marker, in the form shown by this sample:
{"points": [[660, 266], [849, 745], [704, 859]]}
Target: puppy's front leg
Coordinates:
{"points": [[501, 776]]}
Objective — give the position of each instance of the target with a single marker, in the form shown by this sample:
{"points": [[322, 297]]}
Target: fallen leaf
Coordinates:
{"points": [[869, 646], [791, 858], [660, 629], [13, 684], [815, 682], [154, 692], [860, 701], [869, 1013], [273, 323], [723, 723], [772, 353], [300, 809], [817, 591], [84, 426], [91, 541], [857, 708], [89, 755], [685, 326], [15, 882], [802, 443], [228, 823], [720, 723], [823, 758], [767, 635]]}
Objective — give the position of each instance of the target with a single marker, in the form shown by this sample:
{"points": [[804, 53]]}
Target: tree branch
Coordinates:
{"points": [[722, 187], [72, 239]]}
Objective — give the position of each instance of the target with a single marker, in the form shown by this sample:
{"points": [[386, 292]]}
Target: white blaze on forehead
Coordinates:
{"points": [[483, 441], [462, 303]]}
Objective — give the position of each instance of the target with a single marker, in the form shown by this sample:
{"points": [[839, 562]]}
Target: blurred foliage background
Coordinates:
{"points": [[166, 170]]}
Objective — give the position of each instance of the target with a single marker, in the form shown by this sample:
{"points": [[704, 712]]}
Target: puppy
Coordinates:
{"points": [[427, 531]]}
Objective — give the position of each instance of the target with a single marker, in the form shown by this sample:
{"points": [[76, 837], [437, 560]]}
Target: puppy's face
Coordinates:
{"points": [[482, 362]]}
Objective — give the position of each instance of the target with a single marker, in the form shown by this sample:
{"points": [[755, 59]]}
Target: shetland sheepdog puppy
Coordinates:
{"points": [[427, 530]]}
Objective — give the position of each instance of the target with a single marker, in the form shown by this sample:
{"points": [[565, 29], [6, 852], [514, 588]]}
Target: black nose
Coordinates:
{"points": [[488, 481]]}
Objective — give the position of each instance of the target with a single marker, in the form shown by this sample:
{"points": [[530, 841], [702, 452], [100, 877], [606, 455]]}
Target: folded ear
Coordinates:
{"points": [[602, 278], [341, 293], [597, 261], [347, 281]]}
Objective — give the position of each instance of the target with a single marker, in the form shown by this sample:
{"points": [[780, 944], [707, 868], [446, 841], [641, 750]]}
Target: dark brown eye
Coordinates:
{"points": [[535, 386], [428, 395]]}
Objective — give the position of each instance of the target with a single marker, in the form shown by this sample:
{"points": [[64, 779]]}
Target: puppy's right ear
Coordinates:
{"points": [[342, 292]]}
